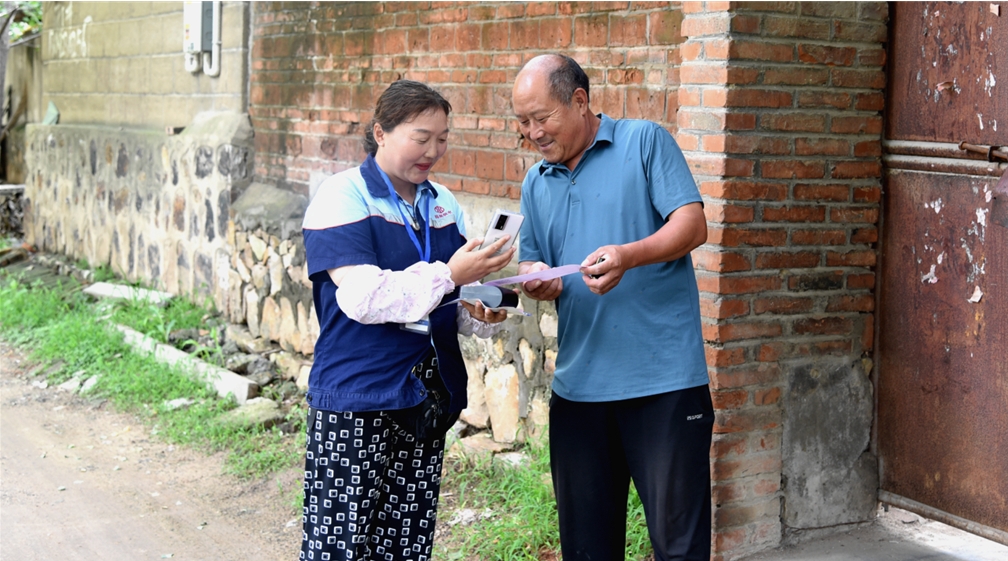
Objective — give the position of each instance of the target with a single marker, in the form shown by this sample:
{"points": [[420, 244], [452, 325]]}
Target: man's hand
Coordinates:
{"points": [[539, 290], [604, 268]]}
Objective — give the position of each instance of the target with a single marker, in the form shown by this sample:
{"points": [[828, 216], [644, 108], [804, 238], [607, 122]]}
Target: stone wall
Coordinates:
{"points": [[121, 63], [155, 208]]}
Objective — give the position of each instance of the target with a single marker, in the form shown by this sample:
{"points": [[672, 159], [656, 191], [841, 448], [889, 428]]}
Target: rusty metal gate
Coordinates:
{"points": [[942, 354]]}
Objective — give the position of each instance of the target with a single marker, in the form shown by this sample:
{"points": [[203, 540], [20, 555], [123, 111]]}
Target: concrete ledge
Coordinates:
{"points": [[123, 292], [223, 380]]}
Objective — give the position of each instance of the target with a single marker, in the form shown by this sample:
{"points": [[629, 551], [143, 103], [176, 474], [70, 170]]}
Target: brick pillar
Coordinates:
{"points": [[780, 120]]}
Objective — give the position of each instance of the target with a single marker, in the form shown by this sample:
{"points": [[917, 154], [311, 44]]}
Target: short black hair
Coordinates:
{"points": [[566, 78], [403, 100]]}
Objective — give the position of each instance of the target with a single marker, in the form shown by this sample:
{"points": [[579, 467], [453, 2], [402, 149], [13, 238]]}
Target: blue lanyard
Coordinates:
{"points": [[425, 253]]}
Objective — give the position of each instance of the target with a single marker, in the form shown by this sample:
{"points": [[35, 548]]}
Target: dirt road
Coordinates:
{"points": [[79, 481]]}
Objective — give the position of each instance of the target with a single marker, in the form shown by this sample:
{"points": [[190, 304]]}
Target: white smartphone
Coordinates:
{"points": [[503, 223]]}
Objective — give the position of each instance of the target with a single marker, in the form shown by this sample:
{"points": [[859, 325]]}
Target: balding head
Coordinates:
{"points": [[550, 100], [561, 74]]}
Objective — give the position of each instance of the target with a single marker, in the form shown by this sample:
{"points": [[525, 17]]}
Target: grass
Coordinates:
{"points": [[70, 334], [67, 336], [522, 521]]}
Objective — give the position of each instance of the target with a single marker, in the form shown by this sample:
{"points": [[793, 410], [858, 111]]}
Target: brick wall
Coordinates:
{"points": [[121, 63], [318, 69], [781, 121]]}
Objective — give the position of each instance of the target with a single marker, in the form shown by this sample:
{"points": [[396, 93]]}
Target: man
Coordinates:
{"points": [[630, 397]]}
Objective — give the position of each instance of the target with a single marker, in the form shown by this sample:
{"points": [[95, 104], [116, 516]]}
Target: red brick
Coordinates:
{"points": [[854, 215], [837, 100], [864, 235], [863, 258], [770, 352], [664, 27], [768, 397], [782, 305], [591, 31], [474, 186], [858, 281], [851, 303], [842, 347], [762, 51], [746, 285], [856, 125], [758, 98], [860, 32], [853, 78], [781, 26], [720, 262], [822, 281], [724, 357], [627, 30], [728, 445], [728, 492], [787, 260], [720, 308], [867, 194], [792, 169], [729, 399], [834, 193], [709, 24], [741, 76], [824, 326], [699, 73], [746, 237], [728, 213], [828, 9], [868, 335], [872, 57], [555, 33], [743, 23], [744, 190], [744, 376], [830, 56], [822, 146], [723, 469], [793, 122], [740, 121], [796, 76], [819, 237], [756, 144], [868, 148], [746, 420], [794, 214]]}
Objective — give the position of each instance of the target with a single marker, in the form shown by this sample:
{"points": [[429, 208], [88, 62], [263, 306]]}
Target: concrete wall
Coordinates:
{"points": [[24, 81], [121, 63]]}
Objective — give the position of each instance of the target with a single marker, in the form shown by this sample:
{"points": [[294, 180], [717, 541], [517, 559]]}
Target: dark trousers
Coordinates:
{"points": [[662, 443]]}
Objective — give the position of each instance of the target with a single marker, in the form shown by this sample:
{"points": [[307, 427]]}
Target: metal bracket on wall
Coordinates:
{"points": [[991, 152]]}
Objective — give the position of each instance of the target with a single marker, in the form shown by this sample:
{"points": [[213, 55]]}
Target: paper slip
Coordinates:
{"points": [[548, 274]]}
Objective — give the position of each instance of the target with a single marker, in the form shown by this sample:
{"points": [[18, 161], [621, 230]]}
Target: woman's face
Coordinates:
{"points": [[409, 151]]}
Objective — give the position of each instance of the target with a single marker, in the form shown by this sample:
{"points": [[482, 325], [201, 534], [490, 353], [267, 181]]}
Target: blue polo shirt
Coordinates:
{"points": [[354, 220], [643, 337]]}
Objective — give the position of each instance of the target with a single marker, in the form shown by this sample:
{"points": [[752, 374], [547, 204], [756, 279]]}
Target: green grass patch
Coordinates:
{"points": [[69, 336], [522, 522]]}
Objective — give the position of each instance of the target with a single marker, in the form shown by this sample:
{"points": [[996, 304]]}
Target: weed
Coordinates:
{"points": [[69, 332], [522, 517]]}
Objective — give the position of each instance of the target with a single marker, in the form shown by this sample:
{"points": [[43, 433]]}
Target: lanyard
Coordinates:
{"points": [[425, 253]]}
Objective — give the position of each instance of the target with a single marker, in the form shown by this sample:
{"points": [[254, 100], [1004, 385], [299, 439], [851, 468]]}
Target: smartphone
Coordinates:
{"points": [[503, 223]]}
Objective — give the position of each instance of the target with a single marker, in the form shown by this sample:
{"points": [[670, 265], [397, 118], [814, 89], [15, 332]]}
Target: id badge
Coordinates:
{"points": [[421, 327]]}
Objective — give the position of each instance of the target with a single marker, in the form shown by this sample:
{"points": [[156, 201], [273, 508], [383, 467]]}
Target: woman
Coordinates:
{"points": [[385, 248]]}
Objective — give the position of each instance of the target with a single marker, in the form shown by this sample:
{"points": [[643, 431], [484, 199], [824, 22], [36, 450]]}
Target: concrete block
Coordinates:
{"points": [[224, 381], [831, 477], [124, 292]]}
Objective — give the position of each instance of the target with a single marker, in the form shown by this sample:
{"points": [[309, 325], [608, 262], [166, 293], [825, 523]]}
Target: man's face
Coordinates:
{"points": [[556, 130]]}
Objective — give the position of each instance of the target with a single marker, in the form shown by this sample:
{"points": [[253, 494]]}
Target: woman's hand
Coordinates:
{"points": [[470, 264], [484, 314]]}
